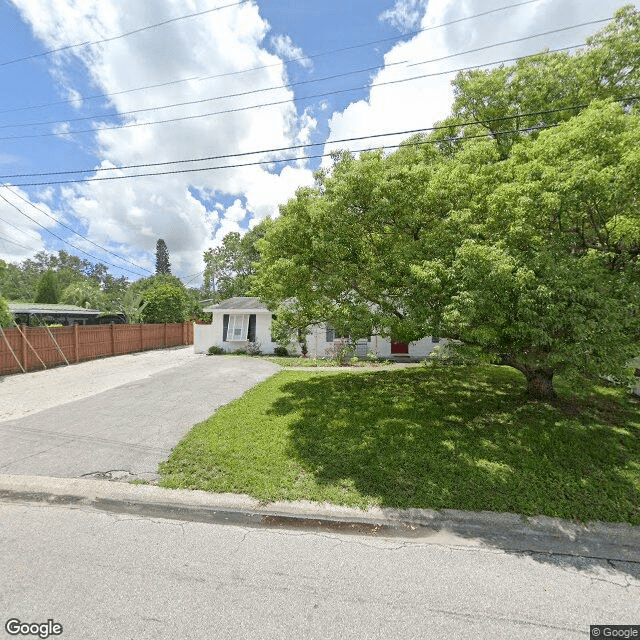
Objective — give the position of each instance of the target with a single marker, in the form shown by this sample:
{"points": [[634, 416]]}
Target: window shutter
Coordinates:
{"points": [[330, 334], [252, 328], [225, 326]]}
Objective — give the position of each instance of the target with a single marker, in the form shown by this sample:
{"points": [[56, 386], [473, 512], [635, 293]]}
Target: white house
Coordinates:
{"points": [[238, 321]]}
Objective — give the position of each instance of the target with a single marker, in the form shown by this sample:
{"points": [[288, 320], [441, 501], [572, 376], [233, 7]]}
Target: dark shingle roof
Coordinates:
{"points": [[37, 307], [238, 303]]}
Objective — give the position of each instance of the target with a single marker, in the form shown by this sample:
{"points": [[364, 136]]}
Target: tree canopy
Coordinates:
{"points": [[230, 267], [522, 246]]}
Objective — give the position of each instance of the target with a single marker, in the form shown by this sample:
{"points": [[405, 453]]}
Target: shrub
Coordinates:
{"points": [[214, 350], [254, 348], [165, 303], [239, 352], [282, 352], [6, 317]]}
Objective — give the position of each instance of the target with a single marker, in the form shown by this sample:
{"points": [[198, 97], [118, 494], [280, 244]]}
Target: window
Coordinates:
{"points": [[238, 327], [335, 334]]}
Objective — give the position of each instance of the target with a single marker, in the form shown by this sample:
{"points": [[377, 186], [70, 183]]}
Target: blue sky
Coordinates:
{"points": [[246, 48]]}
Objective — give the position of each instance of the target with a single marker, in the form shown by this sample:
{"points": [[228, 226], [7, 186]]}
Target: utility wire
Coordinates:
{"points": [[62, 224], [490, 46], [17, 244], [303, 146], [287, 61], [65, 241], [289, 85], [121, 35], [292, 159], [279, 102]]}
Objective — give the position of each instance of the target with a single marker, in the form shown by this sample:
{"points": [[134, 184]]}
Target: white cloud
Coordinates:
{"points": [[285, 48], [20, 235], [129, 216], [422, 102], [405, 14]]}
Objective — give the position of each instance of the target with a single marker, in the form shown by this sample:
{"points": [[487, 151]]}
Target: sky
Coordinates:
{"points": [[153, 83]]}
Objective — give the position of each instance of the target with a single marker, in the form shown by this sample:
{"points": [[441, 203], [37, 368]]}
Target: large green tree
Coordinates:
{"points": [[531, 261], [230, 267]]}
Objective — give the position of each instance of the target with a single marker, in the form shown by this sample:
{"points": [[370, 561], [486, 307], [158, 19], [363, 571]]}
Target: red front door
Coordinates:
{"points": [[399, 347]]}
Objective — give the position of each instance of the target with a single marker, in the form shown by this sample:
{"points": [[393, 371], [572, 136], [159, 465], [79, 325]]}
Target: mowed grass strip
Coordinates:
{"points": [[429, 437]]}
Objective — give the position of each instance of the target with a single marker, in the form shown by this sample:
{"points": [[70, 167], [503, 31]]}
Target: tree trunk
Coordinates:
{"points": [[539, 379], [540, 384]]}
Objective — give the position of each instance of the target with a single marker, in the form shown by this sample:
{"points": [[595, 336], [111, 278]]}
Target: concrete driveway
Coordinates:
{"points": [[116, 418]]}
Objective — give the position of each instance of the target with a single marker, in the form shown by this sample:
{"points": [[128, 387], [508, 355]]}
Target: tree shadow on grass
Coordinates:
{"points": [[452, 437], [467, 438]]}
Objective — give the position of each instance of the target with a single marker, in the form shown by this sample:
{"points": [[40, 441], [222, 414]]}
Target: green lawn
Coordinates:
{"points": [[432, 437]]}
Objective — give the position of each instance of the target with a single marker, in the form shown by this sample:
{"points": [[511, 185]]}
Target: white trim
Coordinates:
{"points": [[238, 327]]}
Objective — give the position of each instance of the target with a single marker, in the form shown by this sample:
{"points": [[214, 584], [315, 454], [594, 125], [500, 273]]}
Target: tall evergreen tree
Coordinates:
{"points": [[162, 258]]}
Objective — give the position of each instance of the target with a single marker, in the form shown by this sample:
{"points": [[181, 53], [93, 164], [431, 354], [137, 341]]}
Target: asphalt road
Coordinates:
{"points": [[103, 575], [123, 432]]}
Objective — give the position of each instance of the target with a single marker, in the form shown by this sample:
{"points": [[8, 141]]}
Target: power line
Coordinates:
{"points": [[62, 224], [65, 241], [300, 146], [292, 159], [118, 114], [490, 46], [288, 61], [121, 35], [17, 243], [290, 85], [279, 102]]}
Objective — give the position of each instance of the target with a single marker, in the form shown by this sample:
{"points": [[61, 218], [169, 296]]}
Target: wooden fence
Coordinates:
{"points": [[52, 345]]}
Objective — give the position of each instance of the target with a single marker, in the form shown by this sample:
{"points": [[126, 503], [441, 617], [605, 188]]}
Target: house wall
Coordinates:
{"points": [[208, 335], [319, 347]]}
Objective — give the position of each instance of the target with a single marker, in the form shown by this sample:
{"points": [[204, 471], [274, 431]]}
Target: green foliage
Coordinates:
{"points": [[163, 266], [281, 352], [48, 291], [6, 317], [523, 246], [229, 268], [132, 305], [144, 284], [83, 294], [164, 303], [214, 350]]}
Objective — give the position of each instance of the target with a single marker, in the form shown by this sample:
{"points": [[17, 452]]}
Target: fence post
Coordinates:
{"points": [[164, 340], [24, 347], [184, 330], [113, 340], [76, 343], [141, 338]]}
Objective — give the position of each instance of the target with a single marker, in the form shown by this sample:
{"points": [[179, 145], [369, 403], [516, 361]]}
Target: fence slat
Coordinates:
{"points": [[79, 343]]}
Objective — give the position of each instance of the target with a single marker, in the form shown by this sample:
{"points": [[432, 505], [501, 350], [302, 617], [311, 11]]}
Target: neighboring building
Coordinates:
{"points": [[238, 321], [34, 313]]}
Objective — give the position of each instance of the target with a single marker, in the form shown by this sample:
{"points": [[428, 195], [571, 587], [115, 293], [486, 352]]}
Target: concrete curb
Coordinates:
{"points": [[504, 531]]}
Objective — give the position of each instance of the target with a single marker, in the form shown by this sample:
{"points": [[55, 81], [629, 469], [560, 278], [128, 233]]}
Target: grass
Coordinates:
{"points": [[458, 437], [290, 361]]}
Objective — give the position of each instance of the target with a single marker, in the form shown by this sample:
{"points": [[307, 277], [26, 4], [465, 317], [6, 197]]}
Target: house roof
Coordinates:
{"points": [[36, 307], [238, 304]]}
